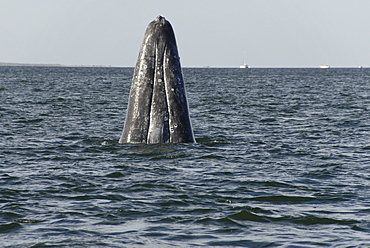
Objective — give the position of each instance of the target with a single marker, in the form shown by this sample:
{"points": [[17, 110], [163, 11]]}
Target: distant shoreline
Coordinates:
{"points": [[50, 65], [211, 67]]}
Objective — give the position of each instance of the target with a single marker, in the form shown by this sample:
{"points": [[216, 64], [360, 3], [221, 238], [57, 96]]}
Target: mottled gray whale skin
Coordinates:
{"points": [[157, 110]]}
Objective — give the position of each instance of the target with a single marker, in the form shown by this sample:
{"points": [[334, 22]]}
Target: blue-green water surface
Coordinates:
{"points": [[282, 159]]}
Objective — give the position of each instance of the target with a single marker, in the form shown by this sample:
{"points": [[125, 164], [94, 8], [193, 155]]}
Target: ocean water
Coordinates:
{"points": [[282, 159]]}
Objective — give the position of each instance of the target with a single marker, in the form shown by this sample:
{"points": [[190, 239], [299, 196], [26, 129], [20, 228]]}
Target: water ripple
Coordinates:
{"points": [[281, 160]]}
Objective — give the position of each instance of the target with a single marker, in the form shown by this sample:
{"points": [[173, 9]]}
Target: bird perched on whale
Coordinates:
{"points": [[158, 110]]}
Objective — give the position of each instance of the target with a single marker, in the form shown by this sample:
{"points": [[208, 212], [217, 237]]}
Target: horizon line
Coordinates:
{"points": [[199, 66]]}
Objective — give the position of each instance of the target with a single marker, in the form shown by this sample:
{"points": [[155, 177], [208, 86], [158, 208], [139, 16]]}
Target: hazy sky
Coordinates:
{"points": [[208, 32]]}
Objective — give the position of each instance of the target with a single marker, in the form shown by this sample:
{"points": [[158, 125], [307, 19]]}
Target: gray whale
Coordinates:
{"points": [[157, 110]]}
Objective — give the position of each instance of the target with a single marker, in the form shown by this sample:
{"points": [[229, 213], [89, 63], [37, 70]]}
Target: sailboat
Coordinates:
{"points": [[244, 66], [325, 65]]}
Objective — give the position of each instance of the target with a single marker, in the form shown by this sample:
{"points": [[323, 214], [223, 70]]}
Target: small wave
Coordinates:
{"points": [[268, 120], [246, 215], [24, 120], [9, 216], [241, 243], [27, 221], [115, 175], [213, 141], [314, 220], [211, 156], [284, 199], [9, 227], [225, 222]]}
